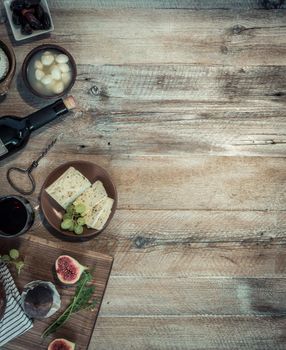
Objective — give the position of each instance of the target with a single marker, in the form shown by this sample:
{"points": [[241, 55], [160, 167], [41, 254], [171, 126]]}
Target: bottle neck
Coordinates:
{"points": [[45, 115]]}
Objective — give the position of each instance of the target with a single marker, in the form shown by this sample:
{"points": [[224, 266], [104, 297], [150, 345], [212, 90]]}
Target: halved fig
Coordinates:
{"points": [[68, 269], [61, 344]]}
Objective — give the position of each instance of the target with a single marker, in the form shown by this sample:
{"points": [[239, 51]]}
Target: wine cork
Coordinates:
{"points": [[70, 102]]}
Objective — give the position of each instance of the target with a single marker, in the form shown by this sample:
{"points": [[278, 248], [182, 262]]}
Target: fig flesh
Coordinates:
{"points": [[68, 269], [61, 344]]}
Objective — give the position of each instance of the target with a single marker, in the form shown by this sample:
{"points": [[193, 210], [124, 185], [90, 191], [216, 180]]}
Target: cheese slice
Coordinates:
{"points": [[68, 187], [97, 216], [92, 196]]}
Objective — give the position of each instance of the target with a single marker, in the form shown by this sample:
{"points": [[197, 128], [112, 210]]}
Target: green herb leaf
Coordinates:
{"points": [[81, 301]]}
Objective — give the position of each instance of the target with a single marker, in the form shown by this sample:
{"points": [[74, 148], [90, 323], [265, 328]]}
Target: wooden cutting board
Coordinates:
{"points": [[39, 257]]}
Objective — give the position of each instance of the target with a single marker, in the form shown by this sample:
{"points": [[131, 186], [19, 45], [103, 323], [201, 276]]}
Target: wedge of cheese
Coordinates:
{"points": [[92, 196], [68, 187], [97, 216]]}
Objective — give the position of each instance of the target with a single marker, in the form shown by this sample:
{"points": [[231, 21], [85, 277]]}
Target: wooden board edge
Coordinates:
{"points": [[90, 253], [99, 307]]}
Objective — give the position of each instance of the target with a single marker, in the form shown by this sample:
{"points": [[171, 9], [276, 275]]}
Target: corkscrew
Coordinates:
{"points": [[28, 172]]}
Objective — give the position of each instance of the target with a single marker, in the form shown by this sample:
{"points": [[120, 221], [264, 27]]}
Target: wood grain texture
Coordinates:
{"points": [[188, 296], [173, 4], [199, 332], [162, 182], [235, 38], [224, 111], [206, 92], [213, 260]]}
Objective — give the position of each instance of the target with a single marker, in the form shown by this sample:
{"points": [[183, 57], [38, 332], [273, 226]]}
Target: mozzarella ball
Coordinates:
{"points": [[58, 87], [66, 78], [64, 67], [39, 74], [47, 60], [62, 58], [38, 64], [47, 79], [56, 73]]}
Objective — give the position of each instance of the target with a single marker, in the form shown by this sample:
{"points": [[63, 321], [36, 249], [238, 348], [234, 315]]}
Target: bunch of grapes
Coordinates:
{"points": [[73, 220], [14, 259]]}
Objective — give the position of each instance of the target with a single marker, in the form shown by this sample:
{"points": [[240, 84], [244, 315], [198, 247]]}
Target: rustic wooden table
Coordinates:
{"points": [[183, 102]]}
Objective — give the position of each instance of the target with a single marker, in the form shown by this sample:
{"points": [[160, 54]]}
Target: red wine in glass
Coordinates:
{"points": [[16, 216]]}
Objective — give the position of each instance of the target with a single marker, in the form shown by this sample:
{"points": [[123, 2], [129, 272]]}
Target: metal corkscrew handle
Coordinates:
{"points": [[28, 171]]}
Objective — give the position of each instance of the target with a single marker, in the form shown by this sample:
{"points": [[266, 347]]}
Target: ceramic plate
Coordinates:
{"points": [[53, 212]]}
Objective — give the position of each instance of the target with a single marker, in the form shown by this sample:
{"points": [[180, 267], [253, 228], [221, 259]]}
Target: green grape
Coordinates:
{"points": [[80, 208], [71, 227], [70, 209], [14, 254], [80, 221], [5, 258], [66, 224], [67, 216], [78, 229]]}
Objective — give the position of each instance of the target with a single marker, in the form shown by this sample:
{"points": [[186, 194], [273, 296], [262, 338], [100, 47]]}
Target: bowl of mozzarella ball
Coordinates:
{"points": [[49, 71]]}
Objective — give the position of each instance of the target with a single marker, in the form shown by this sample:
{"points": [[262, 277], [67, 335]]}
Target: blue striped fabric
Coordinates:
{"points": [[15, 322]]}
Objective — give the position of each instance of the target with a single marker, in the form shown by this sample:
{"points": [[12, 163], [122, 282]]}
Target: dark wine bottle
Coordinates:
{"points": [[15, 131]]}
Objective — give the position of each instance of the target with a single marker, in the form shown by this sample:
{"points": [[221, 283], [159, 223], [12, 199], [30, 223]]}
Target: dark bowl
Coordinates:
{"points": [[6, 81], [53, 212], [43, 48], [2, 300]]}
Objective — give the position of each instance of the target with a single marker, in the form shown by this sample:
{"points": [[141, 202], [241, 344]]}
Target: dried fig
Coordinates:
{"points": [[46, 21], [17, 5], [39, 12]]}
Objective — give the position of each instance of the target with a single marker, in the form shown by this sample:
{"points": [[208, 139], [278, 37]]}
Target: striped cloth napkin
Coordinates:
{"points": [[15, 322]]}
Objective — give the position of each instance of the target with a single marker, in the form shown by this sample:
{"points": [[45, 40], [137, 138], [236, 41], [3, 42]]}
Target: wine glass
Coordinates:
{"points": [[16, 216]]}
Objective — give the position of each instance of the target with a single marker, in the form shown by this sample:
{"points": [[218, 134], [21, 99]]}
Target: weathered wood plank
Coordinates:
{"points": [[173, 4], [200, 133], [191, 244], [173, 183], [170, 36], [199, 333], [180, 88], [197, 133], [256, 260], [224, 111], [149, 257], [131, 230], [134, 296], [250, 260], [166, 232], [121, 89]]}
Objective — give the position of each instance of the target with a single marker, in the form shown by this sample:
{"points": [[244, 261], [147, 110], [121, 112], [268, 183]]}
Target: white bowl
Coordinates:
{"points": [[17, 29]]}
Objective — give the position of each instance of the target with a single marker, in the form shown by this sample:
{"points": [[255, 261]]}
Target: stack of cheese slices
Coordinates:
{"points": [[72, 187]]}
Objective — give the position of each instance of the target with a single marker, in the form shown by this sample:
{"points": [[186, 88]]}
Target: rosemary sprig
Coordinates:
{"points": [[81, 301]]}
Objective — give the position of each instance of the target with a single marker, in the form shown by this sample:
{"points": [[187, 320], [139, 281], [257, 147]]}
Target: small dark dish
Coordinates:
{"points": [[43, 48], [6, 81], [2, 300], [53, 212]]}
